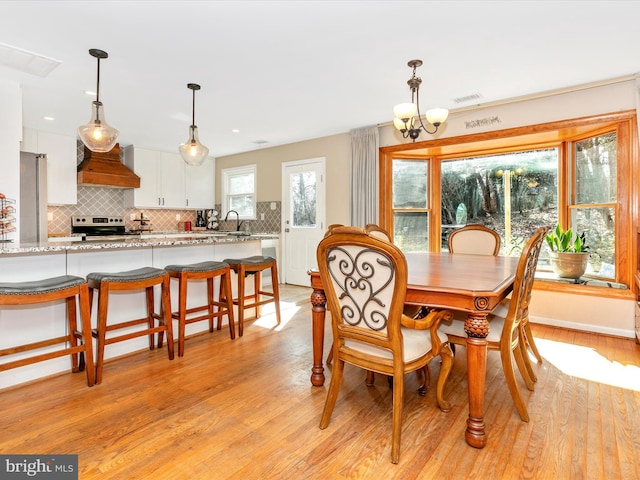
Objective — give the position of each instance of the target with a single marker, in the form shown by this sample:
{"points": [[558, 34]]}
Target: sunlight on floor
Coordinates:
{"points": [[586, 363], [268, 317]]}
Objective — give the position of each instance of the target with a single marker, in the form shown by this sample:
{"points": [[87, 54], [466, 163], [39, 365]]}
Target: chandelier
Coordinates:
{"points": [[98, 135], [192, 151], [407, 115]]}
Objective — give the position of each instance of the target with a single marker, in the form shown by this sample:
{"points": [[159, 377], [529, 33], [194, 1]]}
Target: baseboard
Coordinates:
{"points": [[616, 332]]}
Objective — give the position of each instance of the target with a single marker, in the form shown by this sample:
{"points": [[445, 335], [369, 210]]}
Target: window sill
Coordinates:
{"points": [[583, 286]]}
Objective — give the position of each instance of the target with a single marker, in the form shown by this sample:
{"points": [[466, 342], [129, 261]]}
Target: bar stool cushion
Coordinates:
{"points": [[197, 267], [37, 287], [254, 261], [145, 273]]}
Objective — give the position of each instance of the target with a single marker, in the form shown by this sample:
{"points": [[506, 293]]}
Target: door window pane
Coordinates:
{"points": [[303, 199]]}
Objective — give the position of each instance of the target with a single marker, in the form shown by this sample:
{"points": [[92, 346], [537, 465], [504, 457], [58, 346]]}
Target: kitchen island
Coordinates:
{"points": [[34, 261]]}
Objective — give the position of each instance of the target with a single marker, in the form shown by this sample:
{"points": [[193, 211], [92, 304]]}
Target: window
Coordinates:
{"points": [[593, 206], [575, 173], [512, 193], [411, 205], [239, 191]]}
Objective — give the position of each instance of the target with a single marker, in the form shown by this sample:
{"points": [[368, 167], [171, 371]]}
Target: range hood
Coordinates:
{"points": [[106, 170]]}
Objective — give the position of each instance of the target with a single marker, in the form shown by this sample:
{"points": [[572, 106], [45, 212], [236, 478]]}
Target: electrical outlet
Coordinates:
{"points": [[177, 217], [273, 205], [132, 216], [50, 216], [262, 216]]}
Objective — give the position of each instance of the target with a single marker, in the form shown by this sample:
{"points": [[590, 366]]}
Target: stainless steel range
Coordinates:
{"points": [[94, 227]]}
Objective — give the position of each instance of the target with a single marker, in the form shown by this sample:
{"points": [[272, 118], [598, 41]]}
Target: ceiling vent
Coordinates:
{"points": [[468, 98], [26, 61]]}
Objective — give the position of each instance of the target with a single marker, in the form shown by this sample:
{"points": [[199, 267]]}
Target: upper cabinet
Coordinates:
{"points": [[199, 184], [62, 160], [166, 181]]}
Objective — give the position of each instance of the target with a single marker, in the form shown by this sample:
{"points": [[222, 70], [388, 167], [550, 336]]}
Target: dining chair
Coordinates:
{"points": [[505, 334], [474, 238], [365, 281], [409, 310], [478, 239]]}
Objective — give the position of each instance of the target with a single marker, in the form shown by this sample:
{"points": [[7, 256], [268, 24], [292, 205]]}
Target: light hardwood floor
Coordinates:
{"points": [[245, 409]]}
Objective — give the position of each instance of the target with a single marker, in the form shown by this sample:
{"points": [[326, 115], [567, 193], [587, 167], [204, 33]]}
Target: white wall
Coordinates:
{"points": [[10, 136], [612, 316]]}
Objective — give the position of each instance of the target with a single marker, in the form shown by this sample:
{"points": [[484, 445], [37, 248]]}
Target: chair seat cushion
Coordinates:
{"points": [[456, 326], [40, 286], [197, 267], [145, 273], [416, 344]]}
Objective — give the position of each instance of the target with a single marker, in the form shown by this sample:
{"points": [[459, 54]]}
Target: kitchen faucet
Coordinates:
{"points": [[238, 222]]}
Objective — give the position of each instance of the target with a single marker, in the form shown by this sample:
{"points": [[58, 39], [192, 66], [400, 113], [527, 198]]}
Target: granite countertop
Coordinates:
{"points": [[176, 238]]}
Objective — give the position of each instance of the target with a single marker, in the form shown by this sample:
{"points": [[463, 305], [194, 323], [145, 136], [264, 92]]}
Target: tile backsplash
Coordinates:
{"points": [[110, 202]]}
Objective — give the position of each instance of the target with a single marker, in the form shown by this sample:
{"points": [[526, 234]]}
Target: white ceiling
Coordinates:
{"points": [[287, 71]]}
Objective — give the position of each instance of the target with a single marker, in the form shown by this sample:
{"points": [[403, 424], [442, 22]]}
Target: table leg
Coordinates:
{"points": [[477, 329], [318, 300]]}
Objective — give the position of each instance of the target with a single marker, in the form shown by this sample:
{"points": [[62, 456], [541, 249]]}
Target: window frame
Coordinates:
{"points": [[227, 174], [558, 134]]}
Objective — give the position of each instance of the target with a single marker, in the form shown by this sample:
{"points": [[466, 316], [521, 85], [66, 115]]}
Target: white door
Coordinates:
{"points": [[303, 213]]}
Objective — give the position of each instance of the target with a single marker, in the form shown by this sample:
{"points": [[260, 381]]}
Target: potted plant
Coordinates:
{"points": [[568, 253]]}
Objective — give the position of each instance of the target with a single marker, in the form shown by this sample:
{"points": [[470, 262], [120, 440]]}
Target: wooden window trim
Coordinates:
{"points": [[547, 134]]}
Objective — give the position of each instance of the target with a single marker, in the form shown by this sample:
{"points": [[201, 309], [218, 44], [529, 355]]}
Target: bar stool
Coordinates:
{"points": [[143, 278], [199, 271], [254, 266], [68, 288]]}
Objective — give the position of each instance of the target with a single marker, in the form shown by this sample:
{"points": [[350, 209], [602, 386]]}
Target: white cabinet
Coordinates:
{"points": [[199, 184], [161, 179], [172, 188], [62, 160], [167, 182], [144, 163]]}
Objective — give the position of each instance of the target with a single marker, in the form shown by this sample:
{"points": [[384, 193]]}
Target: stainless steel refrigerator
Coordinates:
{"points": [[32, 206]]}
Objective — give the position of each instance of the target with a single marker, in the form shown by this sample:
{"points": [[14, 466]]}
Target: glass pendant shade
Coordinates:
{"points": [[98, 135], [402, 125], [192, 151], [405, 110], [437, 116]]}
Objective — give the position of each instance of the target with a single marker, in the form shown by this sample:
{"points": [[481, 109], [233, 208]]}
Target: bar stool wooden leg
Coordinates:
{"points": [[101, 331], [276, 290], [165, 314]]}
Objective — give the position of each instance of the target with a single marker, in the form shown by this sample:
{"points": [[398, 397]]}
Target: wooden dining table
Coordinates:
{"points": [[474, 284]]}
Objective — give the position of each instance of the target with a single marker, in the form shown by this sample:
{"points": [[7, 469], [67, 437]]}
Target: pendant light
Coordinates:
{"points": [[98, 135], [192, 151]]}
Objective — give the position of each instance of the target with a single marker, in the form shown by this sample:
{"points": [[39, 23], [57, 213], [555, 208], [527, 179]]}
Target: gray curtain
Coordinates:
{"points": [[364, 176]]}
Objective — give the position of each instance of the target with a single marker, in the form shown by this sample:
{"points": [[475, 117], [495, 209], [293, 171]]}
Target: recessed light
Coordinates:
{"points": [[235, 130], [50, 119], [89, 92]]}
